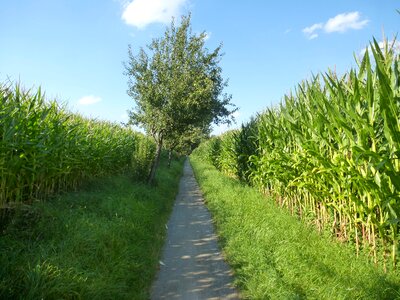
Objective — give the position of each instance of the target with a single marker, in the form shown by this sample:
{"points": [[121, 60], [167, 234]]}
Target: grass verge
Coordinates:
{"points": [[102, 242], [275, 256]]}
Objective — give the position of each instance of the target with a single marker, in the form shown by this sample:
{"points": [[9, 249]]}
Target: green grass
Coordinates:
{"points": [[275, 256], [102, 242]]}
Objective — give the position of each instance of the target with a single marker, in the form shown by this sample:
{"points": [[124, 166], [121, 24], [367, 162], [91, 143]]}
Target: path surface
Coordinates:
{"points": [[193, 267]]}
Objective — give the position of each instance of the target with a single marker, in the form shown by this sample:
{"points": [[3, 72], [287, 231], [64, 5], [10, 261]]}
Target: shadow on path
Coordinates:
{"points": [[193, 267]]}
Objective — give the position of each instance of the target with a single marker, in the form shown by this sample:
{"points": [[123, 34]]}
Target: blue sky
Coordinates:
{"points": [[74, 49]]}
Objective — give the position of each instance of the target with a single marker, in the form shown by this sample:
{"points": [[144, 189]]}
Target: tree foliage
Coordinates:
{"points": [[177, 85]]}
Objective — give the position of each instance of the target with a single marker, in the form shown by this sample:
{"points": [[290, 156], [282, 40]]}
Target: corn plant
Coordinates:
{"points": [[330, 153], [44, 149], [142, 157]]}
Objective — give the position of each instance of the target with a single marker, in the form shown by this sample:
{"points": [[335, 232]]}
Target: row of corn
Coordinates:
{"points": [[330, 153], [44, 149]]}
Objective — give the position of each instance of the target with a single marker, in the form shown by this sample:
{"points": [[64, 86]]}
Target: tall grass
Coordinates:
{"points": [[330, 153], [45, 149], [101, 242]]}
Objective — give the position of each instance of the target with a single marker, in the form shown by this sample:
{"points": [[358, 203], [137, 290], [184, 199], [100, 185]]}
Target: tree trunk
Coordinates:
{"points": [[155, 163], [169, 158]]}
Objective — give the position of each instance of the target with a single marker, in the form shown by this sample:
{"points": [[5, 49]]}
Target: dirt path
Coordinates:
{"points": [[192, 265]]}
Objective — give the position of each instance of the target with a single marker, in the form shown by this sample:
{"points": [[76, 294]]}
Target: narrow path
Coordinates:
{"points": [[192, 265]]}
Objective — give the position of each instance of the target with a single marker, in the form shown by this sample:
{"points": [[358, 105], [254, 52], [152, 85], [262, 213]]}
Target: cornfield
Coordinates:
{"points": [[44, 149], [330, 153]]}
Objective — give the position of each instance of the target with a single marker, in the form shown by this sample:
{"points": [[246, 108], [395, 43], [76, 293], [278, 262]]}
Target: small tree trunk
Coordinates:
{"points": [[155, 163], [169, 158]]}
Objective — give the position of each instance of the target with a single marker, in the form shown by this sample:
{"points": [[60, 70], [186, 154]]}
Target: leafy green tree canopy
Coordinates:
{"points": [[176, 85]]}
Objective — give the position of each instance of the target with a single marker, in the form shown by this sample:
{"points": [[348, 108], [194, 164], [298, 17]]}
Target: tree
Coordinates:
{"points": [[176, 86], [184, 143]]}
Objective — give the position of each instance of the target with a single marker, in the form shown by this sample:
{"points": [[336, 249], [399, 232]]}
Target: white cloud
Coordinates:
{"points": [[140, 13], [89, 100], [310, 31], [339, 23], [343, 22], [208, 36], [394, 44]]}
